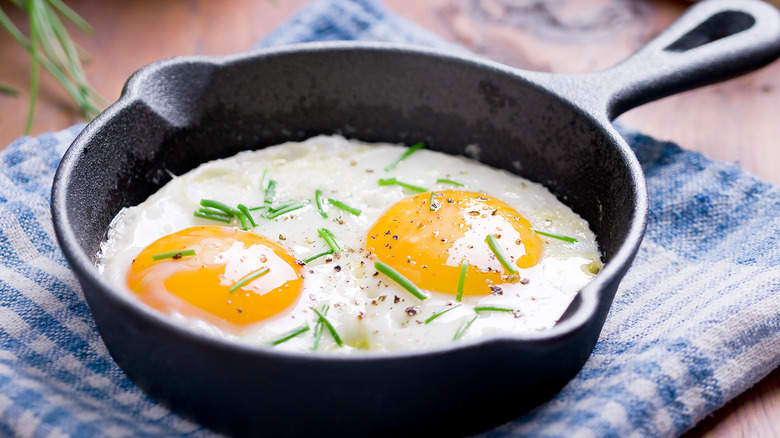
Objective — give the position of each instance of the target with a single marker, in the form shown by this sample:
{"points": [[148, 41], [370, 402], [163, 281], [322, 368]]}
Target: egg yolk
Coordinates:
{"points": [[427, 244], [216, 284]]}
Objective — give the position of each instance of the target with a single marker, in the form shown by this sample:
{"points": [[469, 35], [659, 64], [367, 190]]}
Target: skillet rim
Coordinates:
{"points": [[591, 295]]}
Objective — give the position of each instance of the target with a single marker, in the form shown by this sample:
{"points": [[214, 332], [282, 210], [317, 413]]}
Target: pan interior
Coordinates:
{"points": [[181, 114]]}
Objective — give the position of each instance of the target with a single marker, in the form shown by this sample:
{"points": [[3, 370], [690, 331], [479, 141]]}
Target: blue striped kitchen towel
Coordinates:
{"points": [[695, 322]]}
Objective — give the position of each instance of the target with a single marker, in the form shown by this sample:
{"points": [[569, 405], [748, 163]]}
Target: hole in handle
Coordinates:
{"points": [[718, 26]]}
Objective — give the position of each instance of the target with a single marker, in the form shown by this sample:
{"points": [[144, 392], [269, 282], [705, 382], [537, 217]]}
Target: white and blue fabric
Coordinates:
{"points": [[696, 320]]}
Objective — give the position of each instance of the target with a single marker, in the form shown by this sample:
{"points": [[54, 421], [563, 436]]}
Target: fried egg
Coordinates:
{"points": [[340, 246]]}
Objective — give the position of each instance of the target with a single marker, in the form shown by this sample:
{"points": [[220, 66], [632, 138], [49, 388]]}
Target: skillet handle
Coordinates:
{"points": [[712, 41]]}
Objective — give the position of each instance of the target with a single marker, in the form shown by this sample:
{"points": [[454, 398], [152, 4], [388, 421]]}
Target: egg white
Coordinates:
{"points": [[369, 311]]}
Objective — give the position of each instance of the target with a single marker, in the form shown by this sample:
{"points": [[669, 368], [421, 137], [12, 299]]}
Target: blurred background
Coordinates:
{"points": [[735, 121]]}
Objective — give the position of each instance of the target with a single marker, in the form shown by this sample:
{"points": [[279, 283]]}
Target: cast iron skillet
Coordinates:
{"points": [[554, 129]]}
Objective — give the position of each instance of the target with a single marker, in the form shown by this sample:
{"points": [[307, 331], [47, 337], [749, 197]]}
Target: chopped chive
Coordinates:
{"points": [[265, 210], [387, 181], [284, 210], [404, 156], [345, 207], [269, 192], [449, 181], [320, 199], [464, 265], [493, 244], [244, 222], [262, 179], [242, 208], [394, 181], [219, 206], [412, 187], [440, 313], [431, 204], [330, 239], [262, 207], [211, 216], [463, 327], [248, 278], [291, 334], [493, 309], [176, 255], [316, 256], [554, 236], [318, 328], [330, 327], [214, 211], [283, 205], [400, 279]]}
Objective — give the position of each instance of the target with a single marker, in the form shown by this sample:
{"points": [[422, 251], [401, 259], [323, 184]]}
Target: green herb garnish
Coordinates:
{"points": [[505, 262], [224, 208], [345, 207], [212, 216], [320, 199], [282, 205], [242, 208], [404, 156], [330, 327], [291, 334], [554, 236], [274, 213], [269, 192], [316, 256], [493, 309], [464, 265], [431, 204], [400, 279], [243, 220], [248, 278], [330, 239], [176, 255], [449, 181], [215, 212], [318, 328], [440, 313], [264, 209], [394, 181], [463, 327]]}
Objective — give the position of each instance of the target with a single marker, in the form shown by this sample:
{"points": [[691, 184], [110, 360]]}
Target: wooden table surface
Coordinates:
{"points": [[736, 121]]}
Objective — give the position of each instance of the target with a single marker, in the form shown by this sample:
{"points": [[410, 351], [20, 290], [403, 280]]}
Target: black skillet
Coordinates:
{"points": [[554, 129]]}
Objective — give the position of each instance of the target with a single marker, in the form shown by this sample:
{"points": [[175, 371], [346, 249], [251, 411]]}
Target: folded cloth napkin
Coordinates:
{"points": [[695, 322]]}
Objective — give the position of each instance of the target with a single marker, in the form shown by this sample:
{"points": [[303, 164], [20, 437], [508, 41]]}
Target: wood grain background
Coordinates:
{"points": [[735, 121]]}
